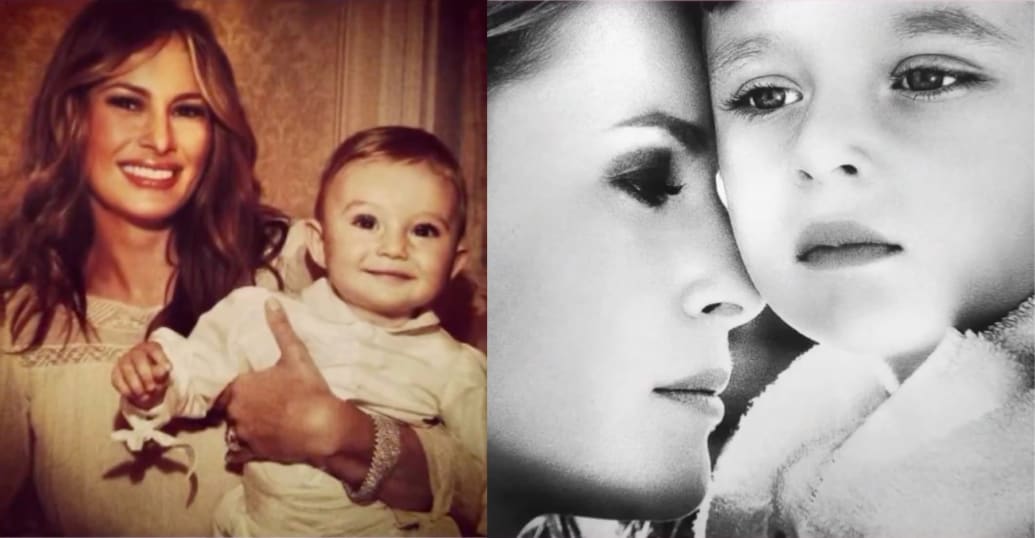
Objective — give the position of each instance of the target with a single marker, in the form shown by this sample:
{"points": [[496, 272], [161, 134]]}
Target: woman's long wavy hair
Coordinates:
{"points": [[219, 238]]}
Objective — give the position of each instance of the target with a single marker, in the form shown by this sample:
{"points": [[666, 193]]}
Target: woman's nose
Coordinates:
{"points": [[158, 133], [718, 288], [728, 299]]}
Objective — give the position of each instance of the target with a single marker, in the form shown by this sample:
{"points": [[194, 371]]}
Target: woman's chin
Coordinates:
{"points": [[650, 493], [674, 498]]}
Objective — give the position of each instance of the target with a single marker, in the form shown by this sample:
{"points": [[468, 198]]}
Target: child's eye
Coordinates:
{"points": [[646, 175], [366, 222], [932, 79], [762, 98], [125, 102], [426, 230], [193, 111]]}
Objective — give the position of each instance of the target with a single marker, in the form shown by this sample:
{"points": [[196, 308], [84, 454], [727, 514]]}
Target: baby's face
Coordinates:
{"points": [[389, 237], [877, 159]]}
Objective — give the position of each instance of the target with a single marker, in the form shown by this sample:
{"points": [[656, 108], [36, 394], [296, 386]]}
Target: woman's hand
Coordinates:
{"points": [[284, 413], [142, 375], [287, 413]]}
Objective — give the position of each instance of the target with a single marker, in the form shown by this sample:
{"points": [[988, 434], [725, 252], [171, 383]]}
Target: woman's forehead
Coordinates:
{"points": [[612, 61], [166, 65]]}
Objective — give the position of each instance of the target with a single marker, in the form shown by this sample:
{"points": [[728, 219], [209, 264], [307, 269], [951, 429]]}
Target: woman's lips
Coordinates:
{"points": [[150, 175], [700, 391], [835, 245], [708, 404]]}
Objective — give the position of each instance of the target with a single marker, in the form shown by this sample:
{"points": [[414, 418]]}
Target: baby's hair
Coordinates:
{"points": [[403, 145]]}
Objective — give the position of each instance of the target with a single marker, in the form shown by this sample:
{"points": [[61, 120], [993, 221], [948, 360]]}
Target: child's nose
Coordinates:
{"points": [[833, 141], [392, 245]]}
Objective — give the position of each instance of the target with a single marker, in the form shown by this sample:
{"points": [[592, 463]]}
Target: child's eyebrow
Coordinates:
{"points": [[952, 21], [692, 136], [729, 54]]}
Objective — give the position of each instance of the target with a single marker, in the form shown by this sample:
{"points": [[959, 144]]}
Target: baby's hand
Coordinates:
{"points": [[142, 375]]}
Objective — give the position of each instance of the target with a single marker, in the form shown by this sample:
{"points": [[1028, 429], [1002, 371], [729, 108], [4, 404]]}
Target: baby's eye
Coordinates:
{"points": [[125, 102], [923, 80], [763, 98], [426, 230], [193, 111], [645, 175], [366, 222]]}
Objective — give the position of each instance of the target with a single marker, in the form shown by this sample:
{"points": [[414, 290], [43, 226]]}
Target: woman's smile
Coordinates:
{"points": [[151, 176]]}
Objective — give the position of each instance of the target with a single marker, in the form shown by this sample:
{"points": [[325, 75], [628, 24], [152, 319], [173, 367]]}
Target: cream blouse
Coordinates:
{"points": [[57, 407]]}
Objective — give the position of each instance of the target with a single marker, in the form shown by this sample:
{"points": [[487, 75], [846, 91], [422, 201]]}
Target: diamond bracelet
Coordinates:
{"points": [[386, 455]]}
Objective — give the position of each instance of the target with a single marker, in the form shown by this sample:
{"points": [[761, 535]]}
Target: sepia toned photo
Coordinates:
{"points": [[242, 268]]}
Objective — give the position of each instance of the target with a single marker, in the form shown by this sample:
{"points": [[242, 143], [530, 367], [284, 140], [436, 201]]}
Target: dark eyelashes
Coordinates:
{"points": [[133, 104], [124, 102], [742, 99], [427, 230], [365, 222], [919, 82], [424, 230], [192, 111], [901, 81], [646, 175]]}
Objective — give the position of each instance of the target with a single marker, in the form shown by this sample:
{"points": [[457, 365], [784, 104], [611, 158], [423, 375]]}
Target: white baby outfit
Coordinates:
{"points": [[416, 373]]}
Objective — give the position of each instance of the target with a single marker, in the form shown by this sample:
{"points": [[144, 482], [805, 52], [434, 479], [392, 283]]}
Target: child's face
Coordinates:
{"points": [[389, 238], [877, 158]]}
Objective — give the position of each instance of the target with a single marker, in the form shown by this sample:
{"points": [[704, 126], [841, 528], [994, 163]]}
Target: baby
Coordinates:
{"points": [[877, 162], [389, 221]]}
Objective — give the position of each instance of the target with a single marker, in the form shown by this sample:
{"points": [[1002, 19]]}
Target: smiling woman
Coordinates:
{"points": [[137, 206], [149, 134]]}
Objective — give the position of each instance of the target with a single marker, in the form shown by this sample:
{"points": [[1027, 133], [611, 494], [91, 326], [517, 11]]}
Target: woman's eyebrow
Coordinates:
{"points": [[692, 136], [143, 92], [129, 87], [951, 21]]}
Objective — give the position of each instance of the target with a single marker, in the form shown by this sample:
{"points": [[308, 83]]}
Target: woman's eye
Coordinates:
{"points": [[426, 230], [191, 111], [365, 222], [764, 98], [645, 175], [125, 102]]}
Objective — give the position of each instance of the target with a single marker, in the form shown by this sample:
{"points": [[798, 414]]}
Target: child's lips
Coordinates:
{"points": [[390, 274], [838, 244]]}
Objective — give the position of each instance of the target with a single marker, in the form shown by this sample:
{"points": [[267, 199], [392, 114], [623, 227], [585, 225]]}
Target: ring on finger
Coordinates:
{"points": [[233, 442]]}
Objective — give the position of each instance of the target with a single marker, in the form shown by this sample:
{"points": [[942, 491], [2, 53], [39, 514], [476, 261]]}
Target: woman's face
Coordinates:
{"points": [[148, 135], [614, 278]]}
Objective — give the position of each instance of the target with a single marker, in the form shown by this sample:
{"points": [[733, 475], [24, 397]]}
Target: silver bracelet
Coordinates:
{"points": [[386, 455]]}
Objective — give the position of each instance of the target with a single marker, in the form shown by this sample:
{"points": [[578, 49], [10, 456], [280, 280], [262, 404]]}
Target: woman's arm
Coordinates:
{"points": [[288, 413], [284, 414]]}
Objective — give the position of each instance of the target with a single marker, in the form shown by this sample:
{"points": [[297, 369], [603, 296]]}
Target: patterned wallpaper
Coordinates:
{"points": [[311, 72]]}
